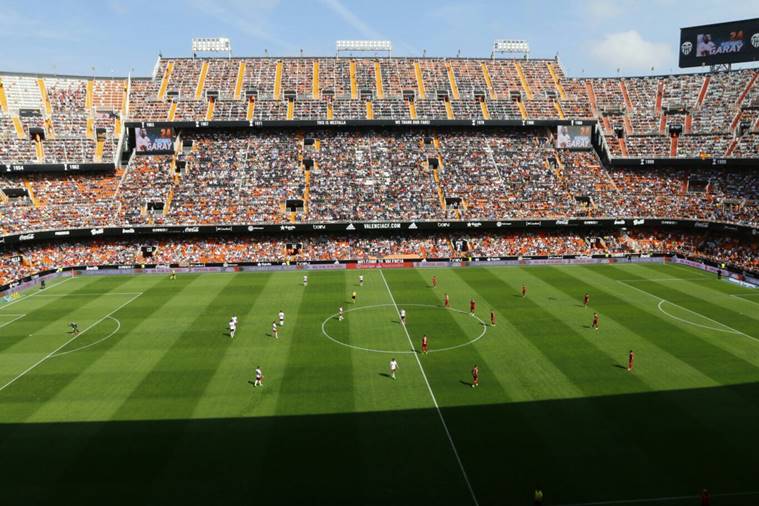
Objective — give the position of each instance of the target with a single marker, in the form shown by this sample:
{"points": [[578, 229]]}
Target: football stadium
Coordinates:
{"points": [[379, 278]]}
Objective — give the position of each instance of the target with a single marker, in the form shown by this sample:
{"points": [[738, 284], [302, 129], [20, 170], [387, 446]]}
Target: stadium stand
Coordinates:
{"points": [[332, 173], [27, 260]]}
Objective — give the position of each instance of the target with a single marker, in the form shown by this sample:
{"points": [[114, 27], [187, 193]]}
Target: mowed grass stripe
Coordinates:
{"points": [[710, 298], [588, 428], [525, 373], [47, 318], [88, 397], [664, 363], [248, 296], [169, 388], [427, 438], [702, 348], [44, 381], [616, 337], [309, 380], [449, 376]]}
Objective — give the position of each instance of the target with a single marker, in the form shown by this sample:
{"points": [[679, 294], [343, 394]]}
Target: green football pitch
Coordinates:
{"points": [[154, 403]]}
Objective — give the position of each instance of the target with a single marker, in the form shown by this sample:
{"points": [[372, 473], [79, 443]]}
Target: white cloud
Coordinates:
{"points": [[251, 17], [354, 21], [603, 10], [631, 52]]}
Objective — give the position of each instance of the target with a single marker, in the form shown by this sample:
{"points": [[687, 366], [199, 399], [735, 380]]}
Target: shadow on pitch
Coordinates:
{"points": [[672, 442]]}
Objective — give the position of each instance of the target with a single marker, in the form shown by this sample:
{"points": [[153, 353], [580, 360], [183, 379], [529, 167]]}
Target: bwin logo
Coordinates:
{"points": [[686, 48]]}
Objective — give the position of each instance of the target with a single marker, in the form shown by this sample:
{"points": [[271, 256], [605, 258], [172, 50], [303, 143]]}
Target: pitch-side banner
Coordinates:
{"points": [[733, 42]]}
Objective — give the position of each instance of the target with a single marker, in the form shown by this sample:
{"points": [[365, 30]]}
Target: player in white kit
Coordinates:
{"points": [[340, 314], [403, 316], [274, 330], [361, 280], [305, 280], [281, 318], [259, 377], [232, 327], [393, 367]]}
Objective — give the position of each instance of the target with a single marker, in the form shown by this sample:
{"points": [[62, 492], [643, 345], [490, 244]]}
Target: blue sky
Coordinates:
{"points": [[592, 37]]}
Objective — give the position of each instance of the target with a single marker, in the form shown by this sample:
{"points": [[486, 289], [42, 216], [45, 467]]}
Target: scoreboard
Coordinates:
{"points": [[722, 43]]}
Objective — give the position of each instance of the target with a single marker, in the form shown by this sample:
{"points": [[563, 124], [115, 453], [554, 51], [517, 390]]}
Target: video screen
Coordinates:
{"points": [[723, 43], [154, 140], [573, 137]]}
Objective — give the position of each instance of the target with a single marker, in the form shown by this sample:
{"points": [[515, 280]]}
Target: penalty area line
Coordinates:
{"points": [[661, 299], [432, 395], [35, 294], [59, 348], [17, 317]]}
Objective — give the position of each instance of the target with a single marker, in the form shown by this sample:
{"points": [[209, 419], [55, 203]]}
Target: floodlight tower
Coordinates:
{"points": [[510, 46], [376, 46], [211, 45]]}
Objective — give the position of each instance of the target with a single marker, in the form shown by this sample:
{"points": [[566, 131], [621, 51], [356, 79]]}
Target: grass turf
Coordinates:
{"points": [[153, 403]]}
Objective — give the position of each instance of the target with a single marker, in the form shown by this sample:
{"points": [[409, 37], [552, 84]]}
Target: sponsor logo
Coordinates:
{"points": [[251, 228], [533, 224], [191, 229], [686, 47], [319, 227], [728, 227], [380, 226], [350, 227], [668, 222], [160, 229], [619, 222], [223, 229], [96, 231], [91, 267], [282, 227], [26, 237], [127, 231], [700, 224], [62, 232], [125, 267], [562, 222], [503, 224], [639, 222], [263, 264], [590, 222], [412, 226], [474, 224]]}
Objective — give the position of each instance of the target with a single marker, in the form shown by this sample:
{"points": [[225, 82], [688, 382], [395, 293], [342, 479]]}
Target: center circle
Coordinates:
{"points": [[393, 319]]}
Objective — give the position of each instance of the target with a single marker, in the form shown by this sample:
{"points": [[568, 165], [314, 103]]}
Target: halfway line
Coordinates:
{"points": [[429, 388]]}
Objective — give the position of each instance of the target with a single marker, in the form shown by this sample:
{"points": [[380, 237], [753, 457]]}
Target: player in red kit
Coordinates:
{"points": [[595, 321], [424, 343], [475, 376], [586, 299], [434, 281], [446, 302], [524, 290], [492, 318], [472, 307], [630, 360]]}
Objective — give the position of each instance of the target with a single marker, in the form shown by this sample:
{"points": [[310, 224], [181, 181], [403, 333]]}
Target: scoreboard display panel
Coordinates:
{"points": [[722, 43]]}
